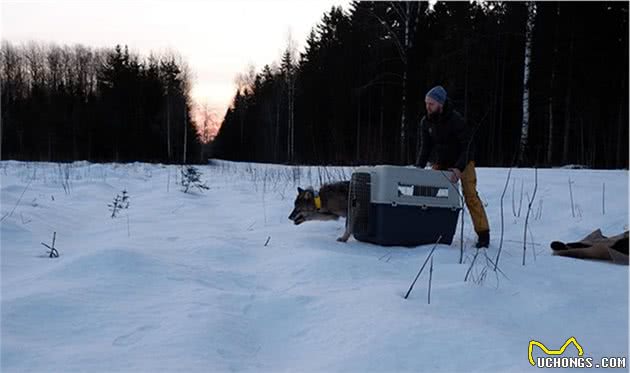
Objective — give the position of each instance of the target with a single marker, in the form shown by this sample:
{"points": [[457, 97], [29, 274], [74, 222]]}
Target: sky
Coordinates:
{"points": [[218, 39]]}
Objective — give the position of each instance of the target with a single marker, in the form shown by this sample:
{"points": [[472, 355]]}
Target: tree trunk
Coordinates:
{"points": [[403, 109], [466, 83], [90, 154], [594, 147], [495, 104], [241, 120], [75, 149], [380, 125], [49, 146], [288, 125], [276, 150], [550, 143], [501, 102], [582, 147], [567, 107], [550, 133], [185, 136], [368, 143], [531, 11], [403, 120], [356, 158], [1, 127], [168, 127], [289, 119], [620, 127], [291, 112]]}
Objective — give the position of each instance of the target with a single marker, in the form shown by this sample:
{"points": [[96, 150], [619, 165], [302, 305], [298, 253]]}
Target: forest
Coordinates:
{"points": [[64, 103], [540, 84]]}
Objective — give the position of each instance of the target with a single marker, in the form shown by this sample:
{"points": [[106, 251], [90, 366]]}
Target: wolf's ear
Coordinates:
{"points": [[300, 190]]}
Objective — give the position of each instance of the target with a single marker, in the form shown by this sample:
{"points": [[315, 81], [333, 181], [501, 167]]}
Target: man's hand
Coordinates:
{"points": [[456, 175]]}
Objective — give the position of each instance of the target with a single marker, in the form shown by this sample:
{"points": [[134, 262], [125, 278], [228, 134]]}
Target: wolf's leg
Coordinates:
{"points": [[349, 214], [346, 234]]}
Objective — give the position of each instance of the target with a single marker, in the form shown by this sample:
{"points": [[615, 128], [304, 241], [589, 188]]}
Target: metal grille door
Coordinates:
{"points": [[359, 202]]}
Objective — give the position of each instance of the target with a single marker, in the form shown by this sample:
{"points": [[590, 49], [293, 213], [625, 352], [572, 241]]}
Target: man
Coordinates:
{"points": [[443, 131]]}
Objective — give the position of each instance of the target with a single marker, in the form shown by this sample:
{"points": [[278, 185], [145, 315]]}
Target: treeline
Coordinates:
{"points": [[356, 94], [62, 103]]}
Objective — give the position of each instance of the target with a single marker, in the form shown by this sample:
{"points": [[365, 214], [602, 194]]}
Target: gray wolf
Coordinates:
{"points": [[330, 202]]}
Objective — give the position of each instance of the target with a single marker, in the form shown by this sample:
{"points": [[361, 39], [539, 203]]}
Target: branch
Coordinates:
{"points": [[372, 81], [529, 208], [472, 263], [422, 268], [507, 181], [398, 11], [430, 278], [18, 201], [392, 34]]}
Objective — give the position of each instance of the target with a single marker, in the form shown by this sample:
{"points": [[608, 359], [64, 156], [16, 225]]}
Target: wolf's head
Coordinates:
{"points": [[304, 206]]}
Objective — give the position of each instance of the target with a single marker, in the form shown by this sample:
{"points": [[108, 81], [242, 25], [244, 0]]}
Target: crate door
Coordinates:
{"points": [[359, 200]]}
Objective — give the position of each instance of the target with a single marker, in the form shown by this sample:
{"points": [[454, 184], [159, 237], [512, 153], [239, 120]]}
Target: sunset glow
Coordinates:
{"points": [[218, 39]]}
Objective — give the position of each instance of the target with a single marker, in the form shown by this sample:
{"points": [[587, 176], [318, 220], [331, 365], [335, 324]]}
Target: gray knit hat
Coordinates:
{"points": [[438, 93]]}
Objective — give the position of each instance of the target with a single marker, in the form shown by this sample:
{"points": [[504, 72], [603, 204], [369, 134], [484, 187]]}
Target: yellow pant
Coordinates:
{"points": [[469, 186], [477, 212]]}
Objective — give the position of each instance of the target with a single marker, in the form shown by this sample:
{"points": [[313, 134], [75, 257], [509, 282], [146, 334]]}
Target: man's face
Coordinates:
{"points": [[433, 107]]}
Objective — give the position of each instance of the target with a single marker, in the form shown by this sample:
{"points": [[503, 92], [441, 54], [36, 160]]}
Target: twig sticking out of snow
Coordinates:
{"points": [[472, 263], [53, 253], [422, 268], [18, 202], [507, 181], [603, 198], [529, 209], [430, 278], [571, 195]]}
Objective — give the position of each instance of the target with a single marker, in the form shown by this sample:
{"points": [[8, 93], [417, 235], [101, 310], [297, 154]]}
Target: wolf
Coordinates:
{"points": [[329, 203]]}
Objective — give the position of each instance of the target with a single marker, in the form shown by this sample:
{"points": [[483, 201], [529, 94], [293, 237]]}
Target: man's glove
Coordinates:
{"points": [[456, 175]]}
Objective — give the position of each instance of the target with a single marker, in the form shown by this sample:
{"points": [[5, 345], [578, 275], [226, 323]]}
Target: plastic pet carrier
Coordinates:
{"points": [[403, 206]]}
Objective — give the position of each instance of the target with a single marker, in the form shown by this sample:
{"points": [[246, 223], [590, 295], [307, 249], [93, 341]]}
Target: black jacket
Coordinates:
{"points": [[447, 136]]}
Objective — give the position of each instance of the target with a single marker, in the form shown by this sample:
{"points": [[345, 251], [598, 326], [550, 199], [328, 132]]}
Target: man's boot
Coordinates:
{"points": [[484, 239]]}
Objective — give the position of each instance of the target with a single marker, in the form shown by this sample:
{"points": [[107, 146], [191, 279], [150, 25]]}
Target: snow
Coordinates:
{"points": [[185, 282]]}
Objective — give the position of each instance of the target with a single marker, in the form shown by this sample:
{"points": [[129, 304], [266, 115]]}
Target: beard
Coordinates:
{"points": [[433, 117]]}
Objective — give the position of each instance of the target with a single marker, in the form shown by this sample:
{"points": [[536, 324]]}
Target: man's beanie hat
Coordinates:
{"points": [[438, 93]]}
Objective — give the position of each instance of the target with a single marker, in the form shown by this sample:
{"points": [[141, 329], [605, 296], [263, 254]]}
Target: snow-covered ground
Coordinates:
{"points": [[223, 281]]}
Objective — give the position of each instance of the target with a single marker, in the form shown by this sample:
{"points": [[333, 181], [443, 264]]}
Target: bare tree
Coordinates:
{"points": [[11, 86], [207, 122], [567, 113], [36, 64], [550, 143], [407, 15], [244, 85], [186, 77], [531, 15], [288, 69]]}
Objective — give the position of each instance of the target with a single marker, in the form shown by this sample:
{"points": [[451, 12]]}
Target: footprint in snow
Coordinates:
{"points": [[135, 336]]}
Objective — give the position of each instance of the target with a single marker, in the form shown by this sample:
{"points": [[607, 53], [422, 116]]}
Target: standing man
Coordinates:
{"points": [[443, 131]]}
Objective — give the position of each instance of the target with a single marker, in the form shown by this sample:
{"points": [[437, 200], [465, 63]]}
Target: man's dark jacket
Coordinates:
{"points": [[448, 136]]}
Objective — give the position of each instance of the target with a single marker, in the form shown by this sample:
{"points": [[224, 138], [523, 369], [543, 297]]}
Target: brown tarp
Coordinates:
{"points": [[595, 246]]}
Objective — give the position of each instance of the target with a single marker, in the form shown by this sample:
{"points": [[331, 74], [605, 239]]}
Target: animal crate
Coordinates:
{"points": [[403, 206]]}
